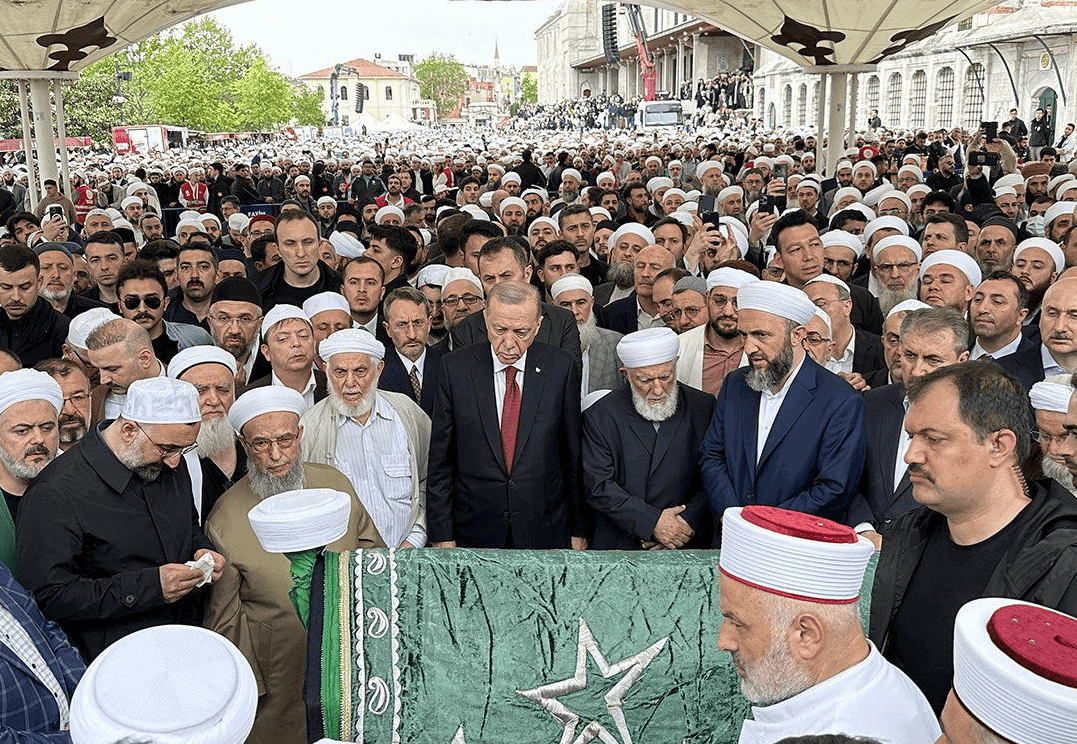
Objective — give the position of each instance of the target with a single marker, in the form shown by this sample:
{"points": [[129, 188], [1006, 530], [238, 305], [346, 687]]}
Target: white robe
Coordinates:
{"points": [[873, 699]]}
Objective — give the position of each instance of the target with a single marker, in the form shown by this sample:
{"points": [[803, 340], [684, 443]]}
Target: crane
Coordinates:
{"points": [[635, 18], [334, 93]]}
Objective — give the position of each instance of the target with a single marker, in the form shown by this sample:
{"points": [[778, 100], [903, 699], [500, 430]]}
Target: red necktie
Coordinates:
{"points": [[510, 416]]}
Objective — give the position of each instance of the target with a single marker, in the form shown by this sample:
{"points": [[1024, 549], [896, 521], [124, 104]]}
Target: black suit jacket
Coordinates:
{"points": [[631, 472], [1026, 365], [877, 501], [470, 495], [620, 316], [866, 314], [868, 353], [394, 376], [558, 329]]}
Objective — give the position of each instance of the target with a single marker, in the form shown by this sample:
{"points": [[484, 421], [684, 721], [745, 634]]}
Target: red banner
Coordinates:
{"points": [[11, 145]]}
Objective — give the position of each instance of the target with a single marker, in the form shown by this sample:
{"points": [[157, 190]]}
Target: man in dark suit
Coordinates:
{"points": [[641, 452], [855, 352], [1057, 352], [521, 486], [502, 259], [785, 432], [411, 367], [639, 310], [930, 339]]}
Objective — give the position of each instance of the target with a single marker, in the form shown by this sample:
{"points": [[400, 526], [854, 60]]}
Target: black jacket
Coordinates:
{"points": [[1040, 565], [395, 379], [36, 335], [868, 353]]}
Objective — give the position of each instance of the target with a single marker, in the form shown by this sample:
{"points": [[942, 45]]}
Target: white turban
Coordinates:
{"points": [[1001, 191], [888, 222], [351, 341], [1058, 209], [843, 239], [543, 221], [703, 168], [460, 273], [324, 301], [511, 178], [304, 519], [326, 200], [345, 244], [570, 282], [571, 173], [162, 400], [1046, 396], [193, 356], [727, 192], [659, 182], [432, 275], [960, 260], [196, 224], [865, 164], [21, 385], [830, 279], [238, 222], [908, 306], [534, 192], [776, 299], [902, 241], [387, 210], [512, 201], [602, 212], [900, 196], [821, 315], [129, 201], [648, 347], [727, 276], [262, 400], [631, 228], [1043, 244]]}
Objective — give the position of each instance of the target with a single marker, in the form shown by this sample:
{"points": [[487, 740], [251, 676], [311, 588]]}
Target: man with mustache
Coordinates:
{"points": [[74, 419], [252, 592], [601, 366], [30, 402], [1050, 403], [104, 534], [785, 432], [412, 366], [143, 294], [1057, 353], [29, 326], [981, 530], [235, 318], [711, 351], [197, 272]]}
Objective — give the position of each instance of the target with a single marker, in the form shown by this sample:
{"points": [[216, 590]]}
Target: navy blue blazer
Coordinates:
{"points": [[395, 378], [28, 712], [1024, 364], [632, 473], [811, 461], [621, 316]]}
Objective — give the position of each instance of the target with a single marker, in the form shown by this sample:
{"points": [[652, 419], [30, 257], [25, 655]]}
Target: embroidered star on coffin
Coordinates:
{"points": [[632, 667], [459, 738]]}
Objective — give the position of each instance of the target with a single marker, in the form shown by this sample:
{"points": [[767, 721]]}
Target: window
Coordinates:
{"points": [[873, 93], [815, 100], [944, 97], [893, 100], [802, 105], [918, 99], [965, 25], [366, 92], [344, 93], [762, 101], [388, 92], [787, 106], [972, 97]]}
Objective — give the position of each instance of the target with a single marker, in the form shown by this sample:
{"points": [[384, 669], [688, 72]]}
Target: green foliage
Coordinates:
{"points": [[529, 89], [307, 107], [443, 80]]}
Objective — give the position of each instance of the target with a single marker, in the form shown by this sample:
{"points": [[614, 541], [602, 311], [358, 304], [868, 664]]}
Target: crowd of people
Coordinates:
{"points": [[560, 340]]}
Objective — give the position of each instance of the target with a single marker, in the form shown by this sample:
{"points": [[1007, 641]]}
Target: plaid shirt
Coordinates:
{"points": [[28, 708]]}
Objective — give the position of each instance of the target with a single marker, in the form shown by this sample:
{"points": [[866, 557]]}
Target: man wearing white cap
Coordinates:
{"points": [[1050, 403], [30, 403], [855, 353], [378, 439], [982, 529], [949, 278], [1037, 263], [789, 587], [1056, 354], [895, 267], [641, 452], [785, 431], [327, 215], [288, 343], [600, 362], [103, 536], [625, 242], [328, 313], [1014, 676], [841, 250], [411, 366], [252, 592], [711, 351], [730, 202]]}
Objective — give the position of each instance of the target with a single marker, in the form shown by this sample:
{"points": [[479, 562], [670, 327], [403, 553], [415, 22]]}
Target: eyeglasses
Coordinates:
{"points": [[841, 264], [470, 300], [676, 314], [773, 271], [892, 211], [262, 444], [1047, 440], [900, 267], [814, 339], [167, 452], [227, 320], [78, 399], [720, 300], [133, 302]]}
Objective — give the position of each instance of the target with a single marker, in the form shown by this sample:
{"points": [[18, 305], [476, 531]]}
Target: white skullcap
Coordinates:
{"points": [[727, 192], [22, 385], [193, 356], [1058, 209], [115, 214], [170, 684], [211, 217], [655, 158], [511, 178], [499, 168], [300, 178], [648, 347], [776, 299], [486, 198], [1045, 396], [1001, 191], [913, 170], [899, 195], [888, 222], [919, 188], [475, 211], [703, 168], [819, 313], [1054, 182], [571, 173], [352, 341], [631, 228], [811, 183], [1043, 244], [162, 400], [196, 224], [843, 239], [674, 192], [829, 279], [1010, 179], [345, 244], [543, 221], [960, 260], [432, 275], [727, 276], [269, 399], [294, 521], [605, 176], [461, 273], [897, 240], [864, 209], [865, 164], [534, 192], [279, 313], [129, 201], [136, 186], [388, 209], [1014, 669], [324, 301], [907, 306], [877, 194], [326, 200], [792, 554], [845, 191], [659, 182], [570, 282], [602, 211], [740, 232], [512, 201], [593, 397], [842, 164], [684, 216], [238, 222], [85, 323]]}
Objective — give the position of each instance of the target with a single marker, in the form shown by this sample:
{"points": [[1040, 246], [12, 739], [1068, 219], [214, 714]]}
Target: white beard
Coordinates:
{"points": [[265, 485], [774, 678], [888, 298], [361, 408], [215, 436], [656, 412], [588, 332], [1059, 473]]}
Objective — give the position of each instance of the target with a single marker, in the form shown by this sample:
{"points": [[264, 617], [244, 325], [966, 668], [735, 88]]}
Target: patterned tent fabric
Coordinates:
{"points": [[437, 646]]}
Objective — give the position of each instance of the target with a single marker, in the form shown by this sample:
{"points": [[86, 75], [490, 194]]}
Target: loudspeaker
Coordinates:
{"points": [[360, 96], [609, 32]]}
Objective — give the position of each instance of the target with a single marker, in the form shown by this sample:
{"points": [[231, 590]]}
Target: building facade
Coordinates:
{"points": [[390, 87]]}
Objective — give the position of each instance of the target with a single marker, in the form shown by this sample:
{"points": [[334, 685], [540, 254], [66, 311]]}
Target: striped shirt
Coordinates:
{"points": [[376, 459], [15, 637]]}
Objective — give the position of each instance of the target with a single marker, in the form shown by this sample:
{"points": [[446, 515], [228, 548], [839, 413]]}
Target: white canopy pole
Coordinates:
{"points": [[43, 136], [820, 125], [27, 144], [61, 132], [854, 92], [836, 131]]}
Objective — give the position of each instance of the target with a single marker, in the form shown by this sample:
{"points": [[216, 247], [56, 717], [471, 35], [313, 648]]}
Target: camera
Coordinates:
{"points": [[989, 159]]}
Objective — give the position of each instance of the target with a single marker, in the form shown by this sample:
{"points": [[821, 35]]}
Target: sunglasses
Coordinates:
{"points": [[152, 301]]}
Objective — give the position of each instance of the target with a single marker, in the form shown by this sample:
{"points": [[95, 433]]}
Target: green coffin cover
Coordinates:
{"points": [[507, 646]]}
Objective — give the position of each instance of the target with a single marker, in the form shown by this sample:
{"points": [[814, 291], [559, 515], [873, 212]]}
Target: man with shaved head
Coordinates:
{"points": [[123, 352], [639, 310]]}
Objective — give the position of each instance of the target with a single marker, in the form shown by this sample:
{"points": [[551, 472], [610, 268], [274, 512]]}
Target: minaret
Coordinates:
{"points": [[497, 57]]}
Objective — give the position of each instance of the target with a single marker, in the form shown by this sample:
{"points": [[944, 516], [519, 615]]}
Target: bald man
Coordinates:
{"points": [[639, 310]]}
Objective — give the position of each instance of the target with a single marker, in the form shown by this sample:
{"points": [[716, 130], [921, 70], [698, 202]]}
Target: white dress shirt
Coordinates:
{"points": [[371, 325], [979, 351], [645, 320], [307, 391], [845, 364], [769, 405], [500, 380], [900, 466], [1050, 366]]}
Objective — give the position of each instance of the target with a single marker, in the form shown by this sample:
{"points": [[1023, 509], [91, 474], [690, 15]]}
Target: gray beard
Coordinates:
{"points": [[131, 457], [52, 296], [621, 274], [215, 436], [888, 298], [656, 412], [774, 678], [265, 485], [20, 469], [760, 380], [1052, 470], [712, 190], [588, 332], [361, 408]]}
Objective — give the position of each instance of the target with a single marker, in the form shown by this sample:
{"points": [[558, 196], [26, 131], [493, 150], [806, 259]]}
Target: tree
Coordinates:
{"points": [[263, 98], [443, 80], [307, 107], [529, 89]]}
